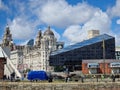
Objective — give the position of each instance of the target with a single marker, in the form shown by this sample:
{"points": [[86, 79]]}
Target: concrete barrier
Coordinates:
{"points": [[58, 86]]}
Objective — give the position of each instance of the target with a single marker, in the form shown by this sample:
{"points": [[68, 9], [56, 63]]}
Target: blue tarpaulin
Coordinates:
{"points": [[37, 75]]}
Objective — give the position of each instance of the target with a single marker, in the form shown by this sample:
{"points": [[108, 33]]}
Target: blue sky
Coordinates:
{"points": [[69, 19]]}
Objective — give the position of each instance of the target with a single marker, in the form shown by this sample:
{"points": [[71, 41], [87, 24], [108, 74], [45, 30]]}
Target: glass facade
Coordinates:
{"points": [[87, 49], [117, 53]]}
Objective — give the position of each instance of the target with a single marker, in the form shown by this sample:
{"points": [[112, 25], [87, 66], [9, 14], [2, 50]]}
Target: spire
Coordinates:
{"points": [[39, 33], [7, 27], [38, 38], [7, 30], [48, 27]]}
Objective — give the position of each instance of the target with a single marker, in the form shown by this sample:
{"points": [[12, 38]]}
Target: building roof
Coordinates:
{"points": [[30, 42], [100, 61], [4, 52], [93, 40]]}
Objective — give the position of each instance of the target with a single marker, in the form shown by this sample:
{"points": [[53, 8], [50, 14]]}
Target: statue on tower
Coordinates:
{"points": [[38, 39]]}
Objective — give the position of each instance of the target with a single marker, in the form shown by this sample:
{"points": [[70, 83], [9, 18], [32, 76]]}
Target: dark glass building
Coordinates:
{"points": [[99, 47]]}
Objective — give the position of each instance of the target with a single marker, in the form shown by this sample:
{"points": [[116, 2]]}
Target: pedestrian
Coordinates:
{"points": [[113, 78], [82, 79], [66, 79], [50, 79], [4, 77], [8, 78], [97, 78], [11, 77]]}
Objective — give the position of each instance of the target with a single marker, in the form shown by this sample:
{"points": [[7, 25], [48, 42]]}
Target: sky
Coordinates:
{"points": [[70, 20]]}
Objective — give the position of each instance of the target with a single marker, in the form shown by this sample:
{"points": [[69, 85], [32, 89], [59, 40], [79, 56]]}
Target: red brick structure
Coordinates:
{"points": [[2, 62], [101, 66]]}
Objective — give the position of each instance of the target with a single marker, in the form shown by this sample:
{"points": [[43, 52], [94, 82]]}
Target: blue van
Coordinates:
{"points": [[37, 75]]}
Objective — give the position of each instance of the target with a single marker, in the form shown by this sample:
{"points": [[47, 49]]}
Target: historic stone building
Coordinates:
{"points": [[32, 57], [37, 57]]}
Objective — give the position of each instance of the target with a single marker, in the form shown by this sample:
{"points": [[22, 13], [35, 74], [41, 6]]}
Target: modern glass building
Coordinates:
{"points": [[99, 47]]}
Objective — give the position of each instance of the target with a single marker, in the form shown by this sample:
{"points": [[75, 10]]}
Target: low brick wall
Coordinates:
{"points": [[59, 86]]}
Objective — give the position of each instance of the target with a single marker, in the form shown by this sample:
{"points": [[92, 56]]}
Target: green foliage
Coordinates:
{"points": [[58, 68]]}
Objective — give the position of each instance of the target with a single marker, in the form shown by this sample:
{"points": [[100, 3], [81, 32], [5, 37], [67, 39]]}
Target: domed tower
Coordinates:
{"points": [[7, 38], [48, 41], [48, 32], [48, 44], [38, 39]]}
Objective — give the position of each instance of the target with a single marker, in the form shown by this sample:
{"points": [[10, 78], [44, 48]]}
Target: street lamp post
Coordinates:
{"points": [[46, 65], [31, 62], [104, 54]]}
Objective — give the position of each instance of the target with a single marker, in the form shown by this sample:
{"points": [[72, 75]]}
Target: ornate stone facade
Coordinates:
{"points": [[37, 57], [34, 57]]}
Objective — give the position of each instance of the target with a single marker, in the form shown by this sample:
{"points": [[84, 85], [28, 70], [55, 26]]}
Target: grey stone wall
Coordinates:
{"points": [[58, 86]]}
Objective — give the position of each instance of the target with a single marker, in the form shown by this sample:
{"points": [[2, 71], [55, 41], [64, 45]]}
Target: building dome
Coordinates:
{"points": [[48, 32]]}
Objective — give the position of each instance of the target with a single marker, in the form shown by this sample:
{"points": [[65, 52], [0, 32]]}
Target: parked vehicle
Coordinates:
{"points": [[37, 75]]}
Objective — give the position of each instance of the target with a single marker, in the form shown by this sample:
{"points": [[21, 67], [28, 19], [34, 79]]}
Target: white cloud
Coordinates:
{"points": [[115, 10], [57, 35], [118, 21], [25, 22], [60, 13], [23, 25], [118, 39], [74, 34], [21, 29], [0, 40], [2, 6], [100, 21], [77, 19]]}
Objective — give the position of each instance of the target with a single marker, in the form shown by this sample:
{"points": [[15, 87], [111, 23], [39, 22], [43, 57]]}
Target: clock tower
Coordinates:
{"points": [[7, 38]]}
